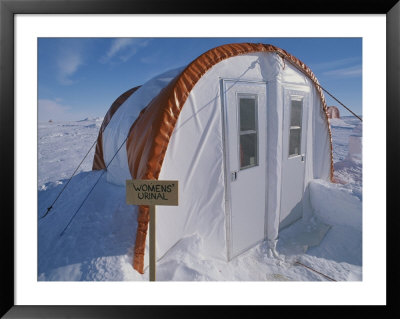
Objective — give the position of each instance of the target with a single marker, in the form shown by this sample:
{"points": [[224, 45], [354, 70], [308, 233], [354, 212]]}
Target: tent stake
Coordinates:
{"points": [[152, 254]]}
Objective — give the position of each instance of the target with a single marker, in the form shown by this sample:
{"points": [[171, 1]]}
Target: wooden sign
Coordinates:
{"points": [[151, 192]]}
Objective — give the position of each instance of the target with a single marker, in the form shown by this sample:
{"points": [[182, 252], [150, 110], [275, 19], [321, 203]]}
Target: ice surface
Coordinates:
{"points": [[98, 244]]}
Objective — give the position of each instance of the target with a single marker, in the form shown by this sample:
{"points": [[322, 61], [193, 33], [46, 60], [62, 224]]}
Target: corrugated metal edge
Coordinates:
{"points": [[149, 135], [98, 160]]}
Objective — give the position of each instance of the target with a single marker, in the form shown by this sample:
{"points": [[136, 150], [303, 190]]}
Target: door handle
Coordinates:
{"points": [[234, 176], [302, 157]]}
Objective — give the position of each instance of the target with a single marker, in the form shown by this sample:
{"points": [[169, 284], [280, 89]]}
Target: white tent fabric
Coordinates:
{"points": [[195, 154], [118, 128]]}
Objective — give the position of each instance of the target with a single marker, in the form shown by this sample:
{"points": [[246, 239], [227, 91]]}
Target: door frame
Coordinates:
{"points": [[289, 90], [227, 169]]}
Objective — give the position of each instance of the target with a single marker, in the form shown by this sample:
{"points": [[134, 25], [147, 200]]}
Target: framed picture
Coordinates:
{"points": [[25, 26]]}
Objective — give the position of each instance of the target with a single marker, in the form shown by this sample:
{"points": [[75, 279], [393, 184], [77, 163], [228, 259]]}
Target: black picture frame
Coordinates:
{"points": [[8, 10]]}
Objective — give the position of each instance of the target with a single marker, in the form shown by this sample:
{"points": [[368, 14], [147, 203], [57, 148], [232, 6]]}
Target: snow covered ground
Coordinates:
{"points": [[98, 244]]}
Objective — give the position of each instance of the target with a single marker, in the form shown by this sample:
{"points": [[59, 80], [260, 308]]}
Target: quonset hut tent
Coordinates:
{"points": [[333, 112], [244, 129]]}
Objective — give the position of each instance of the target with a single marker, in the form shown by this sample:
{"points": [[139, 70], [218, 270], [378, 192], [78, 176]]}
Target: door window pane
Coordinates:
{"points": [[296, 114], [248, 152], [294, 142], [247, 114]]}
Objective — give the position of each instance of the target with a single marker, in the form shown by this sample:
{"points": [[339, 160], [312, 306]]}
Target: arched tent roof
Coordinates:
{"points": [[98, 161], [149, 135]]}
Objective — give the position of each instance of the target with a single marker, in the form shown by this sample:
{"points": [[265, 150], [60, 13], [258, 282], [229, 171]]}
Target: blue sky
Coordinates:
{"points": [[81, 77]]}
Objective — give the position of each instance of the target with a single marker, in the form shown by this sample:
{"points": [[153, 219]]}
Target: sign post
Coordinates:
{"points": [[152, 257], [152, 193]]}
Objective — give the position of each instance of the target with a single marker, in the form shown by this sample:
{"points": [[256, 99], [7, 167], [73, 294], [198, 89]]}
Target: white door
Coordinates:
{"points": [[245, 118], [294, 155]]}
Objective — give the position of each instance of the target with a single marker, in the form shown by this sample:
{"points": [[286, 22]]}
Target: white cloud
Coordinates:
{"points": [[346, 67], [352, 71], [52, 110], [118, 45], [123, 49], [68, 63], [334, 64]]}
